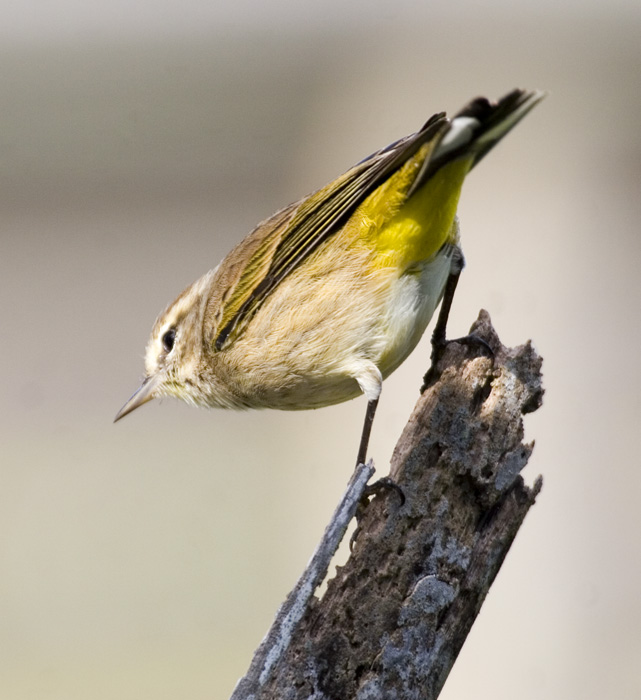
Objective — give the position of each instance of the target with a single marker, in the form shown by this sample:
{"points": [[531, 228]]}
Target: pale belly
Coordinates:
{"points": [[411, 306], [322, 352]]}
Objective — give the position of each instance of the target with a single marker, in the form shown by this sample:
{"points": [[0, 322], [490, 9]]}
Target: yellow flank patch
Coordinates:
{"points": [[405, 232]]}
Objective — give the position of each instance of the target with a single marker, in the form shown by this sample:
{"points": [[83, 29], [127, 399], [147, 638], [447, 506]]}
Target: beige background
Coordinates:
{"points": [[137, 144]]}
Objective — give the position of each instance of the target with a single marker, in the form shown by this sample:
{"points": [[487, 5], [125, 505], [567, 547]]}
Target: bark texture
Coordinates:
{"points": [[395, 617]]}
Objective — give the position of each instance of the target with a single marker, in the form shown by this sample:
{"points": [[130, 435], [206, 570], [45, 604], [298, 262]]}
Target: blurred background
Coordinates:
{"points": [[138, 143]]}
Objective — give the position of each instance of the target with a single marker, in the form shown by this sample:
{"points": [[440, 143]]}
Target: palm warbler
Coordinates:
{"points": [[326, 298]]}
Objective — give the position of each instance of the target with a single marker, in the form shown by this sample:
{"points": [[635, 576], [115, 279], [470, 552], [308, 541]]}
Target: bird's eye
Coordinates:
{"points": [[168, 339]]}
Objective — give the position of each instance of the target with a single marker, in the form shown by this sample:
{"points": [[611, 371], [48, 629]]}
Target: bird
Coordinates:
{"points": [[326, 298]]}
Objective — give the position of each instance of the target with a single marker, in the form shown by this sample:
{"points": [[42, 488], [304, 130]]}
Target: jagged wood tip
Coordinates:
{"points": [[394, 618]]}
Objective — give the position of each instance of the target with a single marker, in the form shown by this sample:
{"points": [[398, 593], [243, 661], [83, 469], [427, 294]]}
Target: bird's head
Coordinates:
{"points": [[173, 358]]}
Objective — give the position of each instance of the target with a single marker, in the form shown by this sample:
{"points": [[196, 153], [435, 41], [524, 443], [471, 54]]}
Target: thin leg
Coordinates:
{"points": [[438, 336], [367, 429], [439, 340], [378, 487]]}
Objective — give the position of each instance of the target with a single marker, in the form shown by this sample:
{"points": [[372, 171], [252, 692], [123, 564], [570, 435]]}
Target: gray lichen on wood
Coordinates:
{"points": [[279, 637], [394, 618]]}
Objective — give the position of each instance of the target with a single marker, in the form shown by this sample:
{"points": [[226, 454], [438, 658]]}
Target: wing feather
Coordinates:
{"points": [[280, 244]]}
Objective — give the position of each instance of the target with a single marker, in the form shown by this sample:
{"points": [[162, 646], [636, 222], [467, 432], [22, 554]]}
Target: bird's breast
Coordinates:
{"points": [[306, 346], [412, 301]]}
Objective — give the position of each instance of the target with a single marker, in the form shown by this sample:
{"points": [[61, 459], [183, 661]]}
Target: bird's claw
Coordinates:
{"points": [[438, 349]]}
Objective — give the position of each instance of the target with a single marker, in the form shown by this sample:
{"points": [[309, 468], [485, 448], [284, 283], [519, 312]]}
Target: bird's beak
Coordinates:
{"points": [[144, 393]]}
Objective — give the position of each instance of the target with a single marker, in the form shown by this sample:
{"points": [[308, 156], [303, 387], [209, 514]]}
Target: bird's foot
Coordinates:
{"points": [[438, 350]]}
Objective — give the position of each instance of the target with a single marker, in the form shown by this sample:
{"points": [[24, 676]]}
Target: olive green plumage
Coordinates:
{"points": [[324, 299]]}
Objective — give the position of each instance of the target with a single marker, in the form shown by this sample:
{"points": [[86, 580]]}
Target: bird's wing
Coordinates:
{"points": [[278, 246]]}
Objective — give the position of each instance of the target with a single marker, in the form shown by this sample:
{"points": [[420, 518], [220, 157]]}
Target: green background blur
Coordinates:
{"points": [[138, 143]]}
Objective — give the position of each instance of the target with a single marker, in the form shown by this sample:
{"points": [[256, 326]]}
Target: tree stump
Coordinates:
{"points": [[395, 617]]}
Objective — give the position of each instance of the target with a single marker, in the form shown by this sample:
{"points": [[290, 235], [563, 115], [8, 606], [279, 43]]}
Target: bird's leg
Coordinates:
{"points": [[378, 487], [367, 429], [371, 381], [438, 336], [439, 341]]}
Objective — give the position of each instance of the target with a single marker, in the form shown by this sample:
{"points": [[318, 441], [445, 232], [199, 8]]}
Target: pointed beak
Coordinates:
{"points": [[144, 393]]}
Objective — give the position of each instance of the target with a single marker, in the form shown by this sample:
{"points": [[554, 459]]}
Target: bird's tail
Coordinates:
{"points": [[476, 129]]}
